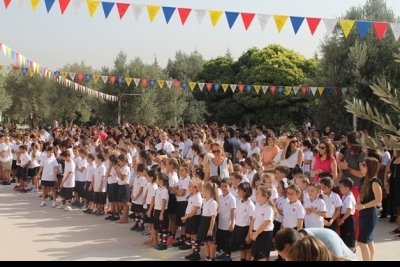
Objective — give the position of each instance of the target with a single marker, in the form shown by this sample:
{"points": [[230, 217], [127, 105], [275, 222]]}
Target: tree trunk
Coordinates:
{"points": [[33, 121]]}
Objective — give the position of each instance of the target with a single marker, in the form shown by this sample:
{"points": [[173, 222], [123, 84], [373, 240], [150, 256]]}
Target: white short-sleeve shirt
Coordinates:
{"points": [[69, 168], [210, 208], [126, 171], [349, 202], [100, 174], [263, 213], [194, 201], [183, 184], [113, 177], [151, 192], [81, 175], [313, 220], [332, 202], [89, 172], [34, 160], [24, 158], [48, 165], [227, 203], [173, 179], [292, 212], [140, 182], [280, 203], [244, 212], [161, 193], [167, 146]]}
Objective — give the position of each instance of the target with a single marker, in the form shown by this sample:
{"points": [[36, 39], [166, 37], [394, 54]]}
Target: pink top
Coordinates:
{"points": [[103, 136], [324, 165]]}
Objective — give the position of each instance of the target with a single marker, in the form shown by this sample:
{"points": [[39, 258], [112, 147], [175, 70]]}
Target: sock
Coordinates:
{"points": [[187, 241], [212, 259], [164, 239], [208, 258], [193, 246], [136, 221], [141, 222], [182, 238], [160, 237], [197, 246], [63, 202]]}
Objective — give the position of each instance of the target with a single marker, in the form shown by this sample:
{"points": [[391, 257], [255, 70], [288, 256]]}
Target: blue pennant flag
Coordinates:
{"points": [[217, 86], [280, 89], [248, 88], [231, 18], [12, 54], [120, 80], [363, 27], [28, 62], [49, 4], [168, 12], [328, 90], [107, 7], [296, 23], [88, 77], [57, 73], [24, 71], [152, 83], [184, 85]]}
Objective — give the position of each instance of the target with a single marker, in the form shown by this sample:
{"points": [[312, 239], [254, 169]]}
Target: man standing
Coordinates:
{"points": [[55, 125], [231, 144], [164, 144]]}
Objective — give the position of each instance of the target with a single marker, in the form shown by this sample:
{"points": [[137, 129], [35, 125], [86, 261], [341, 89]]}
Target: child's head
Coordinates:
{"points": [[49, 151], [345, 186], [210, 190], [302, 181], [244, 190], [199, 173], [184, 170], [241, 154], [226, 186], [249, 164], [263, 194], [294, 193], [141, 169], [237, 168], [216, 180], [325, 174], [23, 149], [326, 185], [99, 159], [90, 158], [282, 187], [256, 180], [151, 176], [122, 160], [195, 185], [268, 178], [296, 172], [314, 191], [162, 180], [236, 178], [113, 160], [75, 149], [82, 152], [281, 172]]}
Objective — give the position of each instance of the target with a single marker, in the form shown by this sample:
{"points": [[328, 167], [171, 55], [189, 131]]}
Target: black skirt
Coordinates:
{"points": [[202, 233], [112, 192], [238, 238], [33, 171], [192, 224], [172, 204], [261, 248], [161, 225], [180, 212], [49, 184], [123, 193], [348, 231]]}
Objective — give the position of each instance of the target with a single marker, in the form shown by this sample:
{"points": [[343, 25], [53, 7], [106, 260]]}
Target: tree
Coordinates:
{"points": [[5, 98]]}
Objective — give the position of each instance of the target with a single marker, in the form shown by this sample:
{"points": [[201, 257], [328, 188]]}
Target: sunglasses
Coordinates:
{"points": [[321, 147], [216, 151]]}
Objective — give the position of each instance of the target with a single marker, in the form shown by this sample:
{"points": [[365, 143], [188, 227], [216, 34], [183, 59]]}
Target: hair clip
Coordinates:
{"points": [[285, 183]]}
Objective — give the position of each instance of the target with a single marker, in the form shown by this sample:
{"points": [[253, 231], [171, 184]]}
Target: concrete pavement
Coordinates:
{"points": [[30, 232]]}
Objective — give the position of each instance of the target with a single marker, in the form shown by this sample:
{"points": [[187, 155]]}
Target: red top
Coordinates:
{"points": [[324, 165]]}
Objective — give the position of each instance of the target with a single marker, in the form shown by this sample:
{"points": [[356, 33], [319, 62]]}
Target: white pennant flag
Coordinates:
{"points": [[201, 86], [104, 78], [20, 60], [5, 50], [344, 90], [313, 90], [295, 89], [330, 25], [136, 81], [396, 30], [233, 87], [137, 11], [77, 5], [263, 20], [7, 70], [264, 88], [72, 75], [20, 3], [200, 14], [169, 83]]}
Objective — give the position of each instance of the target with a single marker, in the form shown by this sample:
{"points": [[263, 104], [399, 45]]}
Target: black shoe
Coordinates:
{"points": [[178, 244], [89, 212], [185, 247], [188, 257], [115, 218], [195, 257], [395, 232], [140, 229], [392, 219], [132, 216], [161, 247], [6, 183], [12, 181], [136, 226], [108, 218], [383, 216]]}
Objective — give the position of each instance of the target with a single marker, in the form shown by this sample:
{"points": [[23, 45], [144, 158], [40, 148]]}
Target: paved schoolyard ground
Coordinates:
{"points": [[30, 232]]}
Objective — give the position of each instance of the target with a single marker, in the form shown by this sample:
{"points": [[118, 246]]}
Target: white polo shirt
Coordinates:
{"points": [[89, 172], [263, 213], [48, 164], [280, 203], [244, 211], [291, 213], [349, 202], [126, 171], [183, 184], [140, 182], [161, 193], [100, 174], [227, 203], [81, 176], [313, 220], [69, 168], [332, 202], [210, 208], [151, 192], [194, 201]]}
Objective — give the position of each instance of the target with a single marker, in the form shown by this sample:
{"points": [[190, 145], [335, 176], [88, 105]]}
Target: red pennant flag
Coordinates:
{"points": [[336, 91], [241, 88], [304, 90], [1, 46], [380, 29], [144, 82], [122, 8], [209, 86], [247, 19], [272, 88], [184, 14], [31, 64], [177, 84], [80, 76], [112, 79], [16, 55], [7, 3], [63, 5], [313, 24], [15, 68]]}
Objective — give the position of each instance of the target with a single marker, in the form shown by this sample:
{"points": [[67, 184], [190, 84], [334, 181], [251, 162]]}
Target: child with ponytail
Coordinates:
{"points": [[315, 207]]}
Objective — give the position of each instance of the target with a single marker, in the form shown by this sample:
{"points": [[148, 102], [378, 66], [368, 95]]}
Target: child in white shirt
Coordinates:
{"points": [[347, 221], [68, 181], [23, 161]]}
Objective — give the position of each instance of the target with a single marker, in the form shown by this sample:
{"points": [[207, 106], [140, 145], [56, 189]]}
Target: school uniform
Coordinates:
{"points": [[192, 224], [250, 175], [305, 195], [112, 186], [261, 247], [313, 220], [244, 213], [151, 192], [292, 212], [182, 201], [14, 149], [34, 166], [348, 228], [332, 202], [161, 194], [123, 185], [227, 203], [6, 161], [210, 208], [172, 203], [140, 182], [80, 177], [69, 184], [22, 170], [234, 192], [49, 176], [281, 201], [100, 185], [88, 181]]}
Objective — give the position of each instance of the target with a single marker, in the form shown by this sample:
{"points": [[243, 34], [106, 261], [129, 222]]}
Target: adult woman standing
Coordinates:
{"points": [[325, 161], [292, 156], [269, 152], [220, 165], [392, 183], [370, 195]]}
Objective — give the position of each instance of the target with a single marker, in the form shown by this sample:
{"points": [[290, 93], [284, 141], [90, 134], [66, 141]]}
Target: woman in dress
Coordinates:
{"points": [[392, 183], [220, 165], [291, 156], [325, 161], [269, 152]]}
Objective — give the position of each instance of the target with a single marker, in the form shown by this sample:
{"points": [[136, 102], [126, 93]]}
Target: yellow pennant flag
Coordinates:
{"points": [[215, 15], [192, 85], [37, 68], [257, 88], [23, 61], [1, 68], [225, 87], [160, 83], [346, 25], [35, 4], [92, 6], [128, 81], [31, 71], [96, 77], [8, 51], [64, 74], [321, 90], [280, 21], [153, 11], [288, 90]]}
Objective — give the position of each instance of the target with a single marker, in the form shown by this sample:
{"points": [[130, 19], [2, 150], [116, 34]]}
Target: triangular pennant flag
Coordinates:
{"points": [[184, 85], [351, 90], [216, 87], [336, 91], [247, 19], [153, 83], [263, 20], [5, 49], [231, 18], [328, 90], [107, 7], [120, 80], [144, 82], [380, 29], [88, 77], [321, 90], [64, 74], [16, 68], [233, 87], [225, 87], [92, 6], [209, 86], [192, 85], [63, 5], [288, 90], [264, 88], [136, 81], [122, 8], [344, 90], [112, 79], [215, 16], [96, 78], [80, 76], [7, 3], [396, 30], [363, 27], [280, 21], [313, 90], [34, 4], [240, 87], [152, 11], [201, 86], [104, 78], [272, 88], [8, 68], [169, 84], [304, 90], [77, 5], [128, 81], [200, 14], [1, 68], [248, 88], [20, 3], [31, 72], [184, 14], [168, 12], [160, 83], [24, 71], [296, 23], [313, 24], [346, 25], [296, 89], [330, 25], [281, 89], [49, 4], [137, 11], [57, 74]]}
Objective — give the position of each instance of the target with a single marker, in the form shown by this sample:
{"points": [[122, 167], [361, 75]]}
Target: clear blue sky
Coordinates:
{"points": [[53, 40]]}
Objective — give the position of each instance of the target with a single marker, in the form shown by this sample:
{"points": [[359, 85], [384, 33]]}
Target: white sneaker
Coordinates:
{"points": [[54, 205], [67, 208], [43, 204], [61, 207]]}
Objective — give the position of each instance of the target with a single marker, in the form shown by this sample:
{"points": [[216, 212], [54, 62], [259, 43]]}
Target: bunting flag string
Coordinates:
{"points": [[347, 26], [30, 67]]}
